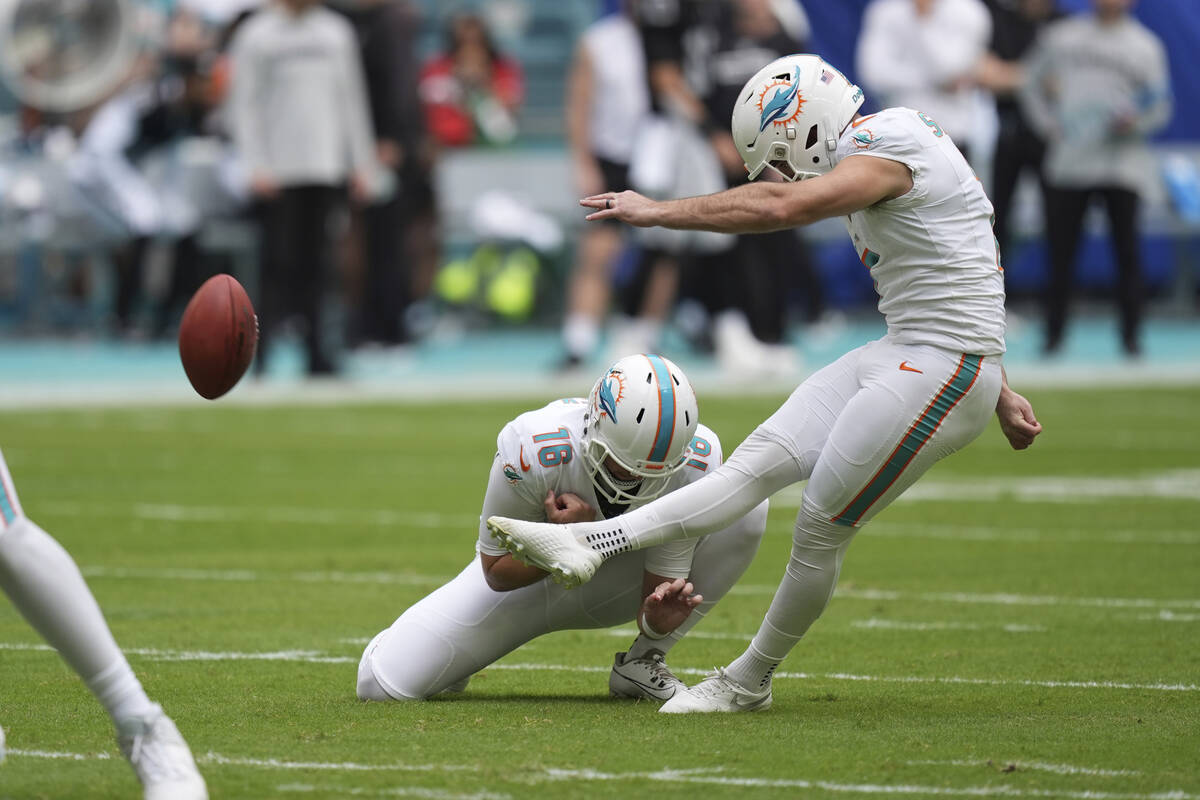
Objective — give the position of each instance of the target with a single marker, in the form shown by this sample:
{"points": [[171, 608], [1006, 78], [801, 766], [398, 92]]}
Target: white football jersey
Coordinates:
{"points": [[931, 252], [542, 450]]}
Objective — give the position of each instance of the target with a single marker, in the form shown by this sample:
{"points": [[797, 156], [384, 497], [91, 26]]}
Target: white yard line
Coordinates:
{"points": [[153, 654], [668, 776], [1170, 616], [174, 512], [253, 576], [318, 657], [1037, 766], [412, 579], [903, 625], [59, 756], [393, 791], [845, 676], [1178, 484], [336, 766], [997, 533], [996, 598], [289, 515]]}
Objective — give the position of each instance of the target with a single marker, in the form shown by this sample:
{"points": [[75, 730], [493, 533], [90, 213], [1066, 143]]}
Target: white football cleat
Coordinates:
{"points": [[716, 693], [648, 677], [161, 758], [549, 547]]}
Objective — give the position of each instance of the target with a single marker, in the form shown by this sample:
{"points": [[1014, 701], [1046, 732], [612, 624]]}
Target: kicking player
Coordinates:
{"points": [[634, 438], [864, 428], [47, 588]]}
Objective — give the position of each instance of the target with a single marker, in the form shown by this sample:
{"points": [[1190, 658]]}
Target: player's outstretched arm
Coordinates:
{"points": [[1016, 417], [854, 184]]}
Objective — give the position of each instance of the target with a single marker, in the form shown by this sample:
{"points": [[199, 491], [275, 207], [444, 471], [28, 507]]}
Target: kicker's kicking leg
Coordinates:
{"points": [[760, 467]]}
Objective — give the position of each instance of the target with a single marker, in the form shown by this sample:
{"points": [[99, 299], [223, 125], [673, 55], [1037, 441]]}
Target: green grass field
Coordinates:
{"points": [[1023, 625]]}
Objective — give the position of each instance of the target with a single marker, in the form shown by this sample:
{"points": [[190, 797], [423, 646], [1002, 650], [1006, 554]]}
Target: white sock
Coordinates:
{"points": [[46, 586], [752, 670], [581, 334], [756, 470], [643, 644], [818, 547]]}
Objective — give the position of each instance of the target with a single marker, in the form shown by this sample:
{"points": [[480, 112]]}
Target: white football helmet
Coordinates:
{"points": [[643, 415], [792, 112]]}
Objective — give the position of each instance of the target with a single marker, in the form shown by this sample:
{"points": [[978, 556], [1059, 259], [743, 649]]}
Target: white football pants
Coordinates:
{"points": [[465, 625], [861, 431]]}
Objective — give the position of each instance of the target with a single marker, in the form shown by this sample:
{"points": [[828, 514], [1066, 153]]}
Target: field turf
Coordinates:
{"points": [[1024, 625]]}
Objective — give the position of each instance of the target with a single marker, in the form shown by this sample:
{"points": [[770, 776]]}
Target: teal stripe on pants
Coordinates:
{"points": [[914, 439]]}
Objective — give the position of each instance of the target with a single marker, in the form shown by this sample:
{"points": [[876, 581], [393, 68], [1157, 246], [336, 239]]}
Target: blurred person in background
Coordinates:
{"points": [[671, 156], [924, 55], [386, 33], [749, 301], [1015, 26], [607, 98], [1097, 86], [141, 133], [472, 91], [300, 118]]}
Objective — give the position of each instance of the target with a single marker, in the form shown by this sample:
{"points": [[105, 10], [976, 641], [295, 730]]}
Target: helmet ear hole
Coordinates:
{"points": [[812, 137]]}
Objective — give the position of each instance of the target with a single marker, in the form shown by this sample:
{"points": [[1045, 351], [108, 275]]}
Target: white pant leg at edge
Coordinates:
{"points": [[464, 625]]}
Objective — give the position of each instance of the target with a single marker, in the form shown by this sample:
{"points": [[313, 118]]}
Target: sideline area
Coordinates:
{"points": [[520, 362]]}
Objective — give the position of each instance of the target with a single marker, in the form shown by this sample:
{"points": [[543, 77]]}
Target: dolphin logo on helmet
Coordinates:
{"points": [[632, 458], [778, 104], [604, 394], [790, 115]]}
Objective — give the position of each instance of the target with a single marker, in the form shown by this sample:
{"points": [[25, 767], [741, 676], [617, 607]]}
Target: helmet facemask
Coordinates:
{"points": [[617, 490]]}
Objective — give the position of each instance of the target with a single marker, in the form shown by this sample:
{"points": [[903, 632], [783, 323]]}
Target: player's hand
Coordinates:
{"points": [[1016, 417], [669, 605], [567, 507], [628, 207]]}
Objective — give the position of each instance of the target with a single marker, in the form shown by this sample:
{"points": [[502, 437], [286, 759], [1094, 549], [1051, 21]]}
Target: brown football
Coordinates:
{"points": [[218, 336]]}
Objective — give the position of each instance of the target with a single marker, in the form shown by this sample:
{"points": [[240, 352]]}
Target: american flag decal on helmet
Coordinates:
{"points": [[826, 76]]}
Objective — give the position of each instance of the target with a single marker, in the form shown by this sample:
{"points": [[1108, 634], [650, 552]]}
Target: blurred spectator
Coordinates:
{"points": [[923, 54], [747, 290], [299, 116], [471, 92], [1015, 26], [671, 157], [1097, 86], [607, 98], [162, 104], [386, 32]]}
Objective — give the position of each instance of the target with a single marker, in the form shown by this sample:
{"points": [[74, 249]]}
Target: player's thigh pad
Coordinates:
{"points": [[901, 422]]}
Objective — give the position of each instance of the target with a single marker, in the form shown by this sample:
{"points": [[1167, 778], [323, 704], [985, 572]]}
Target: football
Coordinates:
{"points": [[218, 336]]}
